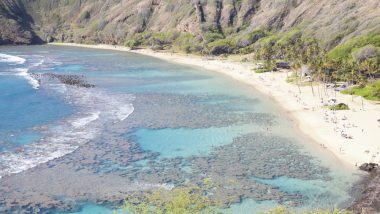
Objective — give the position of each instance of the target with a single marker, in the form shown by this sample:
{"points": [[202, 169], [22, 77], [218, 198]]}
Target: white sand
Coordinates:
{"points": [[312, 118]]}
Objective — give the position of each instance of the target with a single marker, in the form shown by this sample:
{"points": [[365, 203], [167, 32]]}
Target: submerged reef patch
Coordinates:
{"points": [[107, 168]]}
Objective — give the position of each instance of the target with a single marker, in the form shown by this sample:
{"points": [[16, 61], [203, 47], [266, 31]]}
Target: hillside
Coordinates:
{"points": [[15, 24], [114, 21]]}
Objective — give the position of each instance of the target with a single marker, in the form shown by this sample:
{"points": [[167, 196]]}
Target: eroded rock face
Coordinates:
{"points": [[111, 21], [369, 199], [16, 24]]}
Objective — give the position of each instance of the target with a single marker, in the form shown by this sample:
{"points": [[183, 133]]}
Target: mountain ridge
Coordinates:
{"points": [[114, 21]]}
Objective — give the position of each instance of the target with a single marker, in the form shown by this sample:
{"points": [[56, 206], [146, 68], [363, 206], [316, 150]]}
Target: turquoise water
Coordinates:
{"points": [[187, 142], [95, 209], [171, 112], [23, 107]]}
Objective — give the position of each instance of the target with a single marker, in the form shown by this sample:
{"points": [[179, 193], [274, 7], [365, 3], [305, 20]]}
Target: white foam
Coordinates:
{"points": [[38, 63], [125, 111], [23, 72], [72, 132], [36, 154], [147, 186], [6, 73], [60, 88], [81, 122], [11, 59]]}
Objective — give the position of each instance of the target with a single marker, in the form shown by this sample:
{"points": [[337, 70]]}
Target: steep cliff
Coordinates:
{"points": [[112, 21], [16, 24]]}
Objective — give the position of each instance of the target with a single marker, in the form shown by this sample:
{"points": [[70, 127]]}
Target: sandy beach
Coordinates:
{"points": [[352, 135]]}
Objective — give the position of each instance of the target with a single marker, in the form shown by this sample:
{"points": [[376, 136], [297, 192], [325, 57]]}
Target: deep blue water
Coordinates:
{"points": [[40, 122], [22, 107]]}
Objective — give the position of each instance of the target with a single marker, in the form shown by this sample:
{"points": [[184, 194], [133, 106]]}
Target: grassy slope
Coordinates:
{"points": [[370, 92]]}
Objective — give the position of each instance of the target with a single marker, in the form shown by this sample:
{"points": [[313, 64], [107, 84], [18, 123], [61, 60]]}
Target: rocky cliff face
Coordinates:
{"points": [[111, 21], [15, 24]]}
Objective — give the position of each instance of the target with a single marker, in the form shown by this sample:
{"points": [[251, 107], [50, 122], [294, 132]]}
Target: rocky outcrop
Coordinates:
{"points": [[109, 21], [73, 80], [16, 24], [369, 199], [369, 167]]}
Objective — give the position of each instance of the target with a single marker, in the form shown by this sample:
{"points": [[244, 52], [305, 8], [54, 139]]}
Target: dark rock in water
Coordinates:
{"points": [[118, 164], [74, 80], [369, 199], [368, 167]]}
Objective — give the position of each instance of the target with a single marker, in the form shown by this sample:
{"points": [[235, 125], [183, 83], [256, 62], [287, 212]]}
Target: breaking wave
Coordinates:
{"points": [[15, 62], [23, 72], [95, 109], [11, 59]]}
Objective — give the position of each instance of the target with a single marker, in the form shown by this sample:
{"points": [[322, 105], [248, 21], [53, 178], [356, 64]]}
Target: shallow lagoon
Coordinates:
{"points": [[186, 124]]}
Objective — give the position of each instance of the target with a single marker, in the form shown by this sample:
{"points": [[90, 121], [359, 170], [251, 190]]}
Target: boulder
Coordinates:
{"points": [[368, 167]]}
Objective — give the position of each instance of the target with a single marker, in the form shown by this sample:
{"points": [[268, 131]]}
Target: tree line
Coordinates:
{"points": [[360, 67]]}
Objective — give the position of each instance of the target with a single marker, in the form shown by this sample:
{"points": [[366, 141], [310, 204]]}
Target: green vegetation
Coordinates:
{"points": [[262, 70], [370, 92], [183, 200], [283, 210], [84, 15], [292, 78], [222, 46], [344, 51], [251, 38], [186, 43], [162, 40], [289, 37], [190, 200], [357, 61], [211, 37], [183, 42], [338, 107]]}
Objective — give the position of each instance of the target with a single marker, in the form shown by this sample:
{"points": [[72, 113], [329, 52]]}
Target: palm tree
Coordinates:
{"points": [[369, 65], [267, 54], [314, 58]]}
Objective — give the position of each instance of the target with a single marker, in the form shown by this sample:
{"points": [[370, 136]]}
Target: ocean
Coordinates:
{"points": [[82, 128]]}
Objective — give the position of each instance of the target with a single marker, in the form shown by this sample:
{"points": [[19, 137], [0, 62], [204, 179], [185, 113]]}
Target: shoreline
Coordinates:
{"points": [[321, 125]]}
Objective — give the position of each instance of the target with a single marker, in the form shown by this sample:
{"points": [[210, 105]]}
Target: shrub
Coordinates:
{"points": [[211, 37], [247, 50], [262, 70], [270, 39], [344, 51], [85, 15], [132, 43], [222, 46], [186, 42], [340, 106], [250, 38], [162, 40], [290, 37], [283, 210], [366, 52], [183, 200], [369, 92]]}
